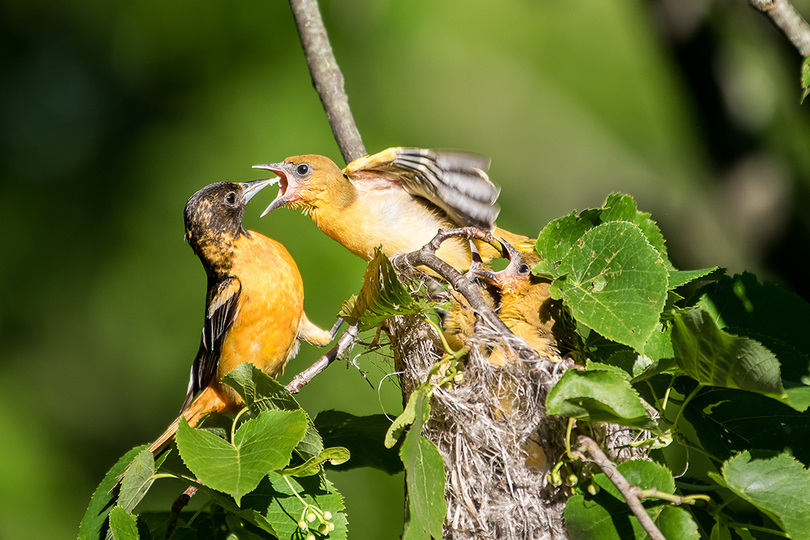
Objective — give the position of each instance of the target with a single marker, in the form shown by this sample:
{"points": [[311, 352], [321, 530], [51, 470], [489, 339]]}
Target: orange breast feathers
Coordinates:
{"points": [[271, 307]]}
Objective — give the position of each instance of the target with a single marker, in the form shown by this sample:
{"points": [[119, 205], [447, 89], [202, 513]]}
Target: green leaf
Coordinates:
{"points": [[598, 396], [771, 315], [678, 523], [607, 515], [405, 419], [714, 357], [102, 500], [616, 283], [123, 525], [260, 445], [262, 392], [778, 486], [363, 436], [805, 79], [621, 207], [137, 480], [424, 476], [382, 296], [336, 455], [559, 236], [720, 532], [678, 278], [729, 421], [284, 508]]}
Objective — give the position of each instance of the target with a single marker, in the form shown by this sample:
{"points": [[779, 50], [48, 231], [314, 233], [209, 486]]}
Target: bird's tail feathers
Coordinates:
{"points": [[206, 402]]}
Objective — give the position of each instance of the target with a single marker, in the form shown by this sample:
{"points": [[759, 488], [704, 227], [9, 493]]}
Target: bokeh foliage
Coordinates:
{"points": [[112, 114]]}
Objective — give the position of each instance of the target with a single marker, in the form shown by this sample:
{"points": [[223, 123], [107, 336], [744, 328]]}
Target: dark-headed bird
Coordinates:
{"points": [[254, 307]]}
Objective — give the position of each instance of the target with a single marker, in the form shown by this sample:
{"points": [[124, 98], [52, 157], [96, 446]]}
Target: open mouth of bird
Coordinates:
{"points": [[283, 186]]}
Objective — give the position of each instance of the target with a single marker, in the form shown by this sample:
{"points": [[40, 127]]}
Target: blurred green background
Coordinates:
{"points": [[113, 113]]}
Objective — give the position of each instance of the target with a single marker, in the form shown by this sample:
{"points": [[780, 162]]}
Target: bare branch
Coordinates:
{"points": [[632, 494], [327, 78], [344, 343], [788, 20]]}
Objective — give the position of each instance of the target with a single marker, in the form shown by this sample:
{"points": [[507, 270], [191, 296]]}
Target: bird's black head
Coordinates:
{"points": [[213, 215]]}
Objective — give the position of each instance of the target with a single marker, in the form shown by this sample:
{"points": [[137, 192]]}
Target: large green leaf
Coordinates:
{"points": [[714, 357], [779, 486], [771, 315], [615, 282], [261, 392], [260, 445], [102, 500], [424, 476], [382, 296], [598, 395], [805, 78]]}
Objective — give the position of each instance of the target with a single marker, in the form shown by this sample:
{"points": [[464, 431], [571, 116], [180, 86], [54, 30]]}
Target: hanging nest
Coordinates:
{"points": [[492, 430]]}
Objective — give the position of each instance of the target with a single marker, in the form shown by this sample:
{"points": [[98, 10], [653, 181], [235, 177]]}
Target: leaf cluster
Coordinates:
{"points": [[262, 476], [714, 383]]}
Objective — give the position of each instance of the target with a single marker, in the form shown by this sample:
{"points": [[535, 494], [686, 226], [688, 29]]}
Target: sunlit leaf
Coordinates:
{"points": [[260, 445], [262, 392], [615, 283]]}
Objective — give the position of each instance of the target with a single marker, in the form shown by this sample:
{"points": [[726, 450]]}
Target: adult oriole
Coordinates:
{"points": [[398, 199], [254, 308]]}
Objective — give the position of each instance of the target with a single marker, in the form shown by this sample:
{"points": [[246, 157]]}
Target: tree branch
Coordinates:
{"points": [[632, 494], [344, 343], [327, 78], [788, 20]]}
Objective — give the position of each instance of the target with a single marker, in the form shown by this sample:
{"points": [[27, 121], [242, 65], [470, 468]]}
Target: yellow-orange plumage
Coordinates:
{"points": [[254, 305], [397, 199]]}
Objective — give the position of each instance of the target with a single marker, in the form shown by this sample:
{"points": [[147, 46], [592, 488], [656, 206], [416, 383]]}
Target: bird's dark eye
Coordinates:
{"points": [[524, 268], [302, 169], [230, 198]]}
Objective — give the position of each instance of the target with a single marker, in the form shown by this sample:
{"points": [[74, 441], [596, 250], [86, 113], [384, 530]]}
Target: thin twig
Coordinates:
{"points": [[327, 78], [788, 20], [177, 507], [344, 343], [426, 256], [630, 492]]}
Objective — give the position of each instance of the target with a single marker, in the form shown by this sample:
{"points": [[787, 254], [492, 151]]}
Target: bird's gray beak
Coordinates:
{"points": [[283, 197], [252, 188]]}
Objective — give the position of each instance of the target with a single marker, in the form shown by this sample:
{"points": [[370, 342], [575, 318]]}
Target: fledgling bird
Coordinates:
{"points": [[524, 305], [254, 307], [398, 199]]}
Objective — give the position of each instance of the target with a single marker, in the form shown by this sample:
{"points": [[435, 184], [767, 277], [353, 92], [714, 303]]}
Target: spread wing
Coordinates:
{"points": [[221, 310], [454, 181]]}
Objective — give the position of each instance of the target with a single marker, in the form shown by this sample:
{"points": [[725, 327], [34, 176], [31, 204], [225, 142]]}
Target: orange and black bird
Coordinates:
{"points": [[398, 199], [254, 307]]}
